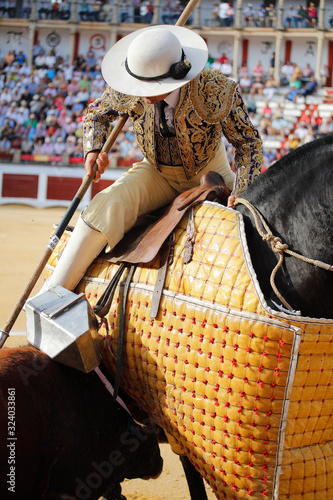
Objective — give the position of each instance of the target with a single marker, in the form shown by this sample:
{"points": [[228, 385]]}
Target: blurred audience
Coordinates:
{"points": [[42, 107]]}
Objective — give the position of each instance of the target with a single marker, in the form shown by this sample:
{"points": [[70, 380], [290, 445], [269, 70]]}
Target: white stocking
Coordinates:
{"points": [[82, 248]]}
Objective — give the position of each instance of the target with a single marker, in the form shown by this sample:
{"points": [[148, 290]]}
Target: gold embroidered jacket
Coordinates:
{"points": [[208, 106]]}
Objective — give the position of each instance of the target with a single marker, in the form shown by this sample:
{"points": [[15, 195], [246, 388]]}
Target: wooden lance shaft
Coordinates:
{"points": [[187, 12], [4, 333]]}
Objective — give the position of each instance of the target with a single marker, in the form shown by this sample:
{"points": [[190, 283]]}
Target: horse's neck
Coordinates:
{"points": [[295, 197]]}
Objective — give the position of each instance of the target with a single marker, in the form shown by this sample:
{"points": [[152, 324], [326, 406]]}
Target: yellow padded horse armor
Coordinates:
{"points": [[246, 392]]}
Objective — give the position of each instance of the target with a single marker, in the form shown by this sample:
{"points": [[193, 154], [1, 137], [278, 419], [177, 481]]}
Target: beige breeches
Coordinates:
{"points": [[114, 211], [143, 189]]}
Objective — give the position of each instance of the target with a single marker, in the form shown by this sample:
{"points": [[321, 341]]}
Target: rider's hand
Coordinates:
{"points": [[231, 200], [102, 163]]}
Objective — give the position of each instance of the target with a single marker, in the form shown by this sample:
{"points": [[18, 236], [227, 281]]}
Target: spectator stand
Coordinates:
{"points": [[128, 11], [327, 94], [312, 109], [121, 11], [41, 110], [41, 126]]}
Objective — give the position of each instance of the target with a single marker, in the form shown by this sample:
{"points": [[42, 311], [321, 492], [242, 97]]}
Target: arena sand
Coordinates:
{"points": [[24, 235]]}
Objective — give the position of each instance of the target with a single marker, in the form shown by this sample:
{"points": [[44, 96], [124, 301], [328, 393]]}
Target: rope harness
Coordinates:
{"points": [[278, 247]]}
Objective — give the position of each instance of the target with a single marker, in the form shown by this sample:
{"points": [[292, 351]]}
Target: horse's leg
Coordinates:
{"points": [[114, 493], [194, 480], [195, 484]]}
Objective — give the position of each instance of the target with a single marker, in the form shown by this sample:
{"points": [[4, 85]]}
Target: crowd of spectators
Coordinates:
{"points": [[141, 11], [257, 84], [266, 16], [137, 11], [259, 81], [300, 17], [42, 107]]}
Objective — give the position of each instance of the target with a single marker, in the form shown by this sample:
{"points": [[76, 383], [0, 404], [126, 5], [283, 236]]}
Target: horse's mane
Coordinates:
{"points": [[301, 169]]}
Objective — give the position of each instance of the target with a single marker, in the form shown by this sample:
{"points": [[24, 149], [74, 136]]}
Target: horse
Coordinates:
{"points": [[295, 197], [63, 435], [223, 367], [226, 370]]}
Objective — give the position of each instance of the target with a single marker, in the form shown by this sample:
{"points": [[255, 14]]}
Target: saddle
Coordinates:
{"points": [[143, 242], [149, 236]]}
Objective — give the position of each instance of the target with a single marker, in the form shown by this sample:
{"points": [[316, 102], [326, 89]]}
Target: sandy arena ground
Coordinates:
{"points": [[24, 235]]}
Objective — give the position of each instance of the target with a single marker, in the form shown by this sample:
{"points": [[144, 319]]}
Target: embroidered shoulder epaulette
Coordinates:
{"points": [[122, 103], [220, 90]]}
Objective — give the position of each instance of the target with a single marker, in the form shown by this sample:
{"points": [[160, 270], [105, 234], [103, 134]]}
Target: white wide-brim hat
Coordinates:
{"points": [[140, 63]]}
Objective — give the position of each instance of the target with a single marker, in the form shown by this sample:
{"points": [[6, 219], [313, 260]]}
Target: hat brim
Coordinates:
{"points": [[115, 74]]}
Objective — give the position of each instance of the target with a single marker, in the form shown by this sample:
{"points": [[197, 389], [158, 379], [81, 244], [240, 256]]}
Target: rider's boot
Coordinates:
{"points": [[82, 248]]}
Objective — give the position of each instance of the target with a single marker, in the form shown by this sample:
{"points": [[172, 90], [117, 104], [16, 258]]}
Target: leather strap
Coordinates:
{"points": [[123, 291], [119, 400], [166, 254], [143, 246], [104, 303], [102, 308]]}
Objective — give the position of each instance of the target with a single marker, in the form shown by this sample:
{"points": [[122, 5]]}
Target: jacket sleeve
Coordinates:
{"points": [[97, 122], [240, 132]]}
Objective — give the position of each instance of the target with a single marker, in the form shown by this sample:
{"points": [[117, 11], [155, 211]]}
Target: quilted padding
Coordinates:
{"points": [[244, 391]]}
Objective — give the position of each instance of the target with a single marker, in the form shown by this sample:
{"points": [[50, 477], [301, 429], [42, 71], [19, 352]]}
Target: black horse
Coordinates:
{"points": [[295, 196]]}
